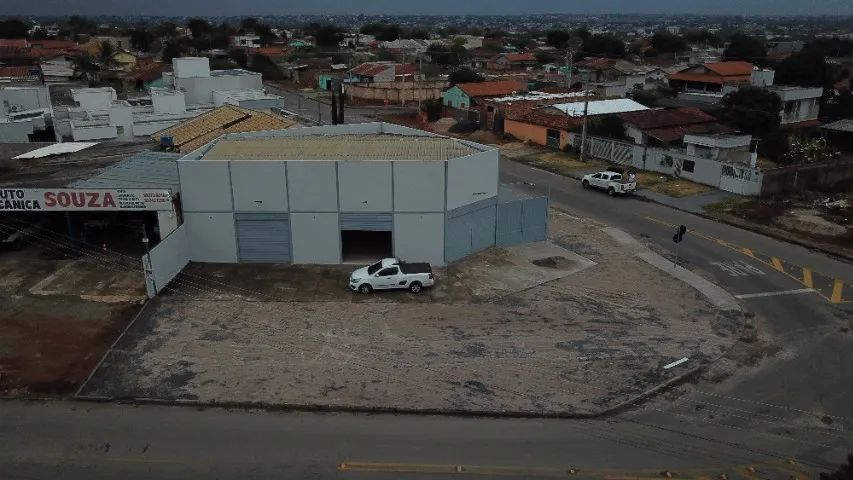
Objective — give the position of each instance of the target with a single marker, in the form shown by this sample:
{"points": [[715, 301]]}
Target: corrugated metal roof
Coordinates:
{"points": [[601, 107], [143, 170], [56, 149], [381, 147], [845, 125]]}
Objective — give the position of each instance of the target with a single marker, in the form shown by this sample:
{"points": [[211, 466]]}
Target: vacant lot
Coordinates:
{"points": [[58, 316], [572, 333]]}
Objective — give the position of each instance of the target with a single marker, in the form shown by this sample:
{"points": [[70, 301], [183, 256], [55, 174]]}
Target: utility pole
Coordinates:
{"points": [[569, 61], [583, 130], [319, 112]]}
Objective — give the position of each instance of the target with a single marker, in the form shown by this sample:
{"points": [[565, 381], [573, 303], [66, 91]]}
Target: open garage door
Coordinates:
{"points": [[263, 237]]}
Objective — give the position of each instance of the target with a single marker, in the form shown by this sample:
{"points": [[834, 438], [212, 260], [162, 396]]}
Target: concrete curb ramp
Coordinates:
{"points": [[714, 293]]}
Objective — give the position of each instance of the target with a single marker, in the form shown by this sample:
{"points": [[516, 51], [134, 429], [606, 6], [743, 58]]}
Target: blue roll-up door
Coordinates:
{"points": [[509, 231], [377, 222], [263, 237], [470, 229]]}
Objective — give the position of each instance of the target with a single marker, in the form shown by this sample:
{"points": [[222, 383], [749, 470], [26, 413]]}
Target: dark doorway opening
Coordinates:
{"points": [[365, 246]]}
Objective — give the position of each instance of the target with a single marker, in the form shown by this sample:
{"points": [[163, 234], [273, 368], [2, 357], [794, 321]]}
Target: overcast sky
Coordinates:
{"points": [[497, 7]]}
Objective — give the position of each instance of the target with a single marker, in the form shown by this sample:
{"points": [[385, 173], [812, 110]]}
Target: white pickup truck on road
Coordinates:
{"points": [[391, 273], [610, 181]]}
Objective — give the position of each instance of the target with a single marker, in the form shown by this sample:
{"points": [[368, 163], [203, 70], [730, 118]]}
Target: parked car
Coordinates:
{"points": [[610, 181], [391, 273]]}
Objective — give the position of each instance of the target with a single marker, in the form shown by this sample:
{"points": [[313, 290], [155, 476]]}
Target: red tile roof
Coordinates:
{"points": [[14, 42], [675, 134], [269, 51], [405, 69], [15, 53], [728, 69], [647, 119], [544, 118], [149, 73], [19, 72], [708, 78], [492, 89], [596, 63], [371, 69], [64, 45], [520, 57]]}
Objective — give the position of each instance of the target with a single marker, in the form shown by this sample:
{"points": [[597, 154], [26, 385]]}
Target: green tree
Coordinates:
{"points": [[809, 150], [557, 38], [372, 29], [703, 37], [79, 24], [171, 50], [604, 45], [582, 33], [199, 27], [432, 109], [745, 48], [13, 28], [844, 471], [141, 39], [608, 126], [665, 42], [325, 35], [806, 68], [389, 33], [266, 67], [464, 75], [754, 110], [105, 57]]}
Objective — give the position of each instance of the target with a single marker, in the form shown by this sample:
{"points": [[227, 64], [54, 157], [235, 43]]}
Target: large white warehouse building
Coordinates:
{"points": [[334, 194]]}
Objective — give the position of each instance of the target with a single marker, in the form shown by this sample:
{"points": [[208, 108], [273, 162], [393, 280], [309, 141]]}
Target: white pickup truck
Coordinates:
{"points": [[610, 181], [391, 273]]}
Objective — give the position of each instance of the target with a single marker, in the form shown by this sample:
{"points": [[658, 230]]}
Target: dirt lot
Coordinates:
{"points": [[803, 216], [58, 316], [563, 335]]}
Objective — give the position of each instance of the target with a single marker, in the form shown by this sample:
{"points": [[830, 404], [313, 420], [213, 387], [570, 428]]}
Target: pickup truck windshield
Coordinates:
{"points": [[374, 268]]}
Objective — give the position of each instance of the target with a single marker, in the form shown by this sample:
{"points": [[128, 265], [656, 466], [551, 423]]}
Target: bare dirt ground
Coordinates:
{"points": [[803, 216], [58, 316], [584, 340]]}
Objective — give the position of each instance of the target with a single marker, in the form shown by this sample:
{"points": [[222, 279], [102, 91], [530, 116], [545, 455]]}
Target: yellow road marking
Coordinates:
{"points": [[837, 287], [777, 264], [774, 262], [807, 277]]}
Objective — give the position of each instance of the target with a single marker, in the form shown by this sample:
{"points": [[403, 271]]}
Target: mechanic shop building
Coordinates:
{"points": [[349, 193]]}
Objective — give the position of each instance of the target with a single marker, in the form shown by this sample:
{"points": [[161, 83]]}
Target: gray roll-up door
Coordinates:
{"points": [[377, 222], [263, 237]]}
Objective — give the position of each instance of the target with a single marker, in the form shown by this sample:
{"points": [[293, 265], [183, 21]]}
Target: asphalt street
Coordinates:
{"points": [[784, 418]]}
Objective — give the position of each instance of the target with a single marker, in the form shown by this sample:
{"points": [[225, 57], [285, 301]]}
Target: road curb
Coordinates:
{"points": [[837, 254]]}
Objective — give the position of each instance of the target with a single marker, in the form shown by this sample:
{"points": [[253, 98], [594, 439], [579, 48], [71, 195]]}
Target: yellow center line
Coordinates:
{"points": [[837, 287], [807, 277], [774, 262]]}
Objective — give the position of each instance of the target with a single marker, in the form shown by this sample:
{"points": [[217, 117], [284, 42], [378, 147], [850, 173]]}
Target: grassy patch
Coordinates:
{"points": [[673, 187]]}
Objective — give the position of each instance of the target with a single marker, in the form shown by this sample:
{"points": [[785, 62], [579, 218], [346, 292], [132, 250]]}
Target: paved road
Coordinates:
{"points": [[796, 406]]}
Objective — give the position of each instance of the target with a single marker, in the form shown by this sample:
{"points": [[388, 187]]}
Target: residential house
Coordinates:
{"points": [[550, 125], [378, 72], [466, 96], [665, 127], [117, 42], [146, 76], [724, 147], [123, 60], [248, 40], [20, 75], [58, 68], [25, 114], [712, 77], [512, 61], [493, 111], [406, 46], [800, 105], [839, 134]]}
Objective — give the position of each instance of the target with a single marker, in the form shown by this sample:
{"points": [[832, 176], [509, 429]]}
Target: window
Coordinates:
{"points": [[597, 175], [616, 177], [120, 130], [374, 268], [688, 166], [450, 103], [389, 272]]}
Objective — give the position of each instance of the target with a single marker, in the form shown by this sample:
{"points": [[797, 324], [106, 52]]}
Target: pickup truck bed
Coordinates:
{"points": [[409, 268]]}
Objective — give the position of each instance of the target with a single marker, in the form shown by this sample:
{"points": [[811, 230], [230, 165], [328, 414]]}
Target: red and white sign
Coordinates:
{"points": [[86, 199]]}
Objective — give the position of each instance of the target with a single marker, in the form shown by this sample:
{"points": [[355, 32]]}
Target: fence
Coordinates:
{"points": [[730, 177], [396, 92], [165, 261], [829, 176]]}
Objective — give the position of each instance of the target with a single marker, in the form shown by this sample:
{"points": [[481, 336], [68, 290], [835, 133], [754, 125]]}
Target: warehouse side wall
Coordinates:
{"points": [[365, 186], [211, 236], [312, 186], [259, 186], [205, 186], [419, 237], [471, 179], [419, 186], [316, 238]]}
